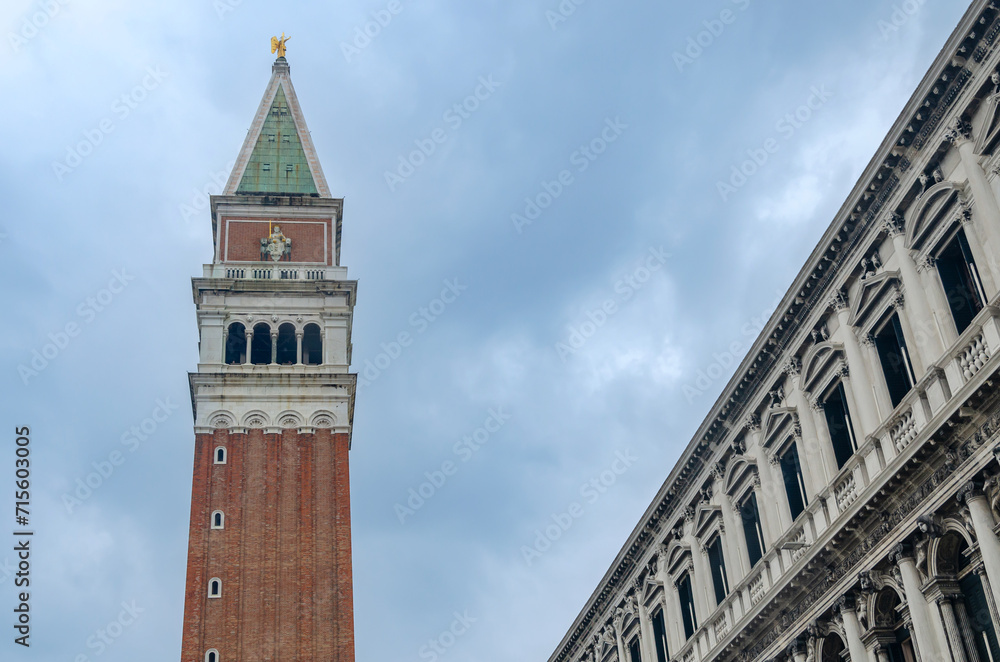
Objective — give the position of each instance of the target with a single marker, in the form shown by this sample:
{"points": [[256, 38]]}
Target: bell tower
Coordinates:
{"points": [[269, 558]]}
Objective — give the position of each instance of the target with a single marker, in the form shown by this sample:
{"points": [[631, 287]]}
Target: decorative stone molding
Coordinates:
{"points": [[959, 131], [838, 301]]}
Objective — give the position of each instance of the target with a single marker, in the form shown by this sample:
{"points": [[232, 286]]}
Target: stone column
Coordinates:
{"points": [[617, 624], [934, 291], [298, 347], [807, 442], [646, 645], [225, 343], [929, 343], [274, 346], [881, 654], [818, 417], [864, 395], [852, 628], [249, 337], [798, 650], [965, 625], [983, 523], [951, 629], [960, 134], [923, 627]]}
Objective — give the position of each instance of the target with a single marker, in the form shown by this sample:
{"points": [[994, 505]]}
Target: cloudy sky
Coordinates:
{"points": [[584, 179]]}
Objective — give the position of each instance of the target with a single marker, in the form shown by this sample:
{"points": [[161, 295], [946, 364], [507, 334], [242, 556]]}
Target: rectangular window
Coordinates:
{"points": [[718, 563], [687, 606], [660, 636], [838, 422], [961, 282], [752, 529], [895, 360], [795, 487], [633, 651]]}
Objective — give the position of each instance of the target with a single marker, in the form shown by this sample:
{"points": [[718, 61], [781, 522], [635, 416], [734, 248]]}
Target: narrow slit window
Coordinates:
{"points": [[218, 520], [220, 455], [960, 279], [718, 563], [795, 487], [660, 636], [752, 529], [633, 651], [212, 656], [838, 423], [895, 360], [687, 606], [215, 588]]}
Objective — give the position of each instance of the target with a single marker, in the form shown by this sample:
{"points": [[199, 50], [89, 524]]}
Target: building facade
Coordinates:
{"points": [[841, 500], [269, 562]]}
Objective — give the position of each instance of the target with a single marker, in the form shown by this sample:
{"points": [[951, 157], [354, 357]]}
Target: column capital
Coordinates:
{"points": [[970, 491], [846, 602], [838, 301], [959, 132], [893, 225], [752, 422], [901, 552], [792, 366]]}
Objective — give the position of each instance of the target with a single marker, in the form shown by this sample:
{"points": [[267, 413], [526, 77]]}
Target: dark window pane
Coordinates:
{"points": [[687, 606], [794, 486], [960, 278], [752, 529], [718, 563], [895, 360], [660, 636], [838, 422], [633, 651]]}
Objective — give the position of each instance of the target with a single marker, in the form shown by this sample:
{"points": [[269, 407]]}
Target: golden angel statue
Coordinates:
{"points": [[278, 45]]}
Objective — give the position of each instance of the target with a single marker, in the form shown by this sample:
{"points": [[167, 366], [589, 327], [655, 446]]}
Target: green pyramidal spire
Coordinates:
{"points": [[278, 156], [278, 163]]}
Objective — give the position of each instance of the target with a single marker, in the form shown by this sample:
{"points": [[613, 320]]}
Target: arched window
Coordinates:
{"points": [[212, 656], [220, 455], [215, 588], [312, 345], [260, 348], [236, 344], [218, 520], [287, 347], [833, 648]]}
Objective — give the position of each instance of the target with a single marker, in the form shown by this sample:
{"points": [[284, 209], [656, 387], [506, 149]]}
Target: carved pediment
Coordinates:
{"points": [[705, 519], [875, 291], [739, 472], [818, 361], [938, 203], [778, 424]]}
